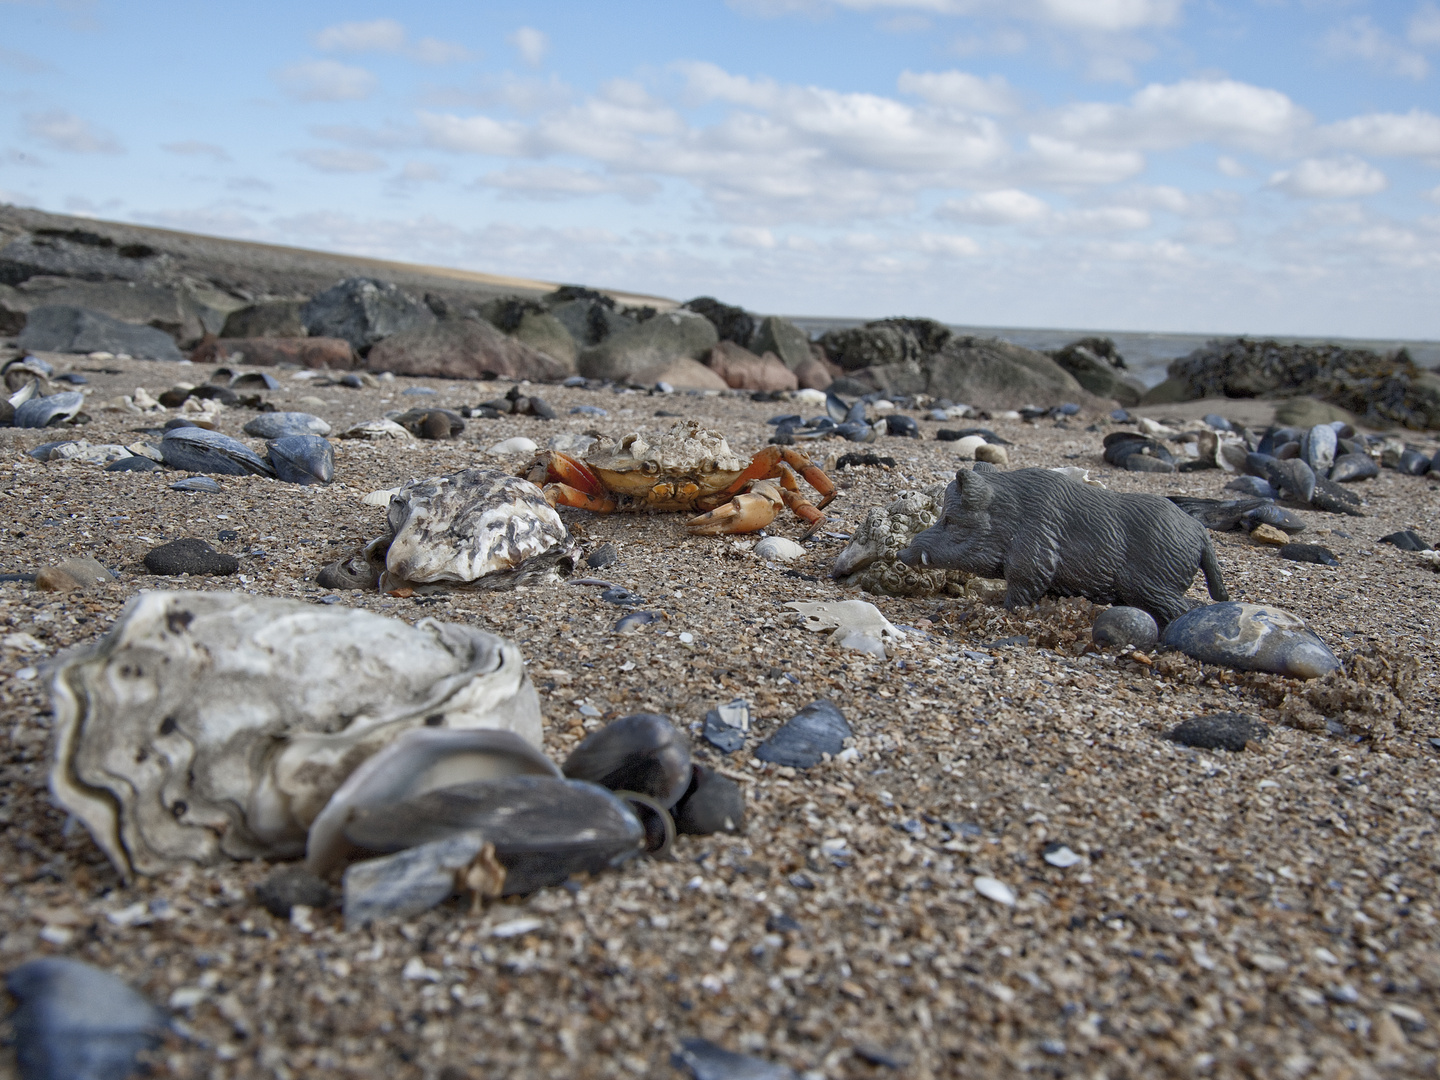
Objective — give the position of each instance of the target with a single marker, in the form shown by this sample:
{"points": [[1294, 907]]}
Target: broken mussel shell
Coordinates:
{"points": [[418, 761], [40, 412], [277, 425], [642, 753], [201, 450], [303, 459], [209, 725], [543, 828]]}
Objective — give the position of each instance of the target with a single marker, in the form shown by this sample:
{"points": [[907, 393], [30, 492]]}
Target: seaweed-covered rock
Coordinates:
{"points": [[885, 341], [363, 311], [731, 323]]}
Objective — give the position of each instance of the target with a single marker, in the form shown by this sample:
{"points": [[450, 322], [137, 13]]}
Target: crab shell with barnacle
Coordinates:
{"points": [[686, 468]]}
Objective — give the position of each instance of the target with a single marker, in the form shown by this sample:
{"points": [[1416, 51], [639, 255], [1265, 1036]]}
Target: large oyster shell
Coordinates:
{"points": [[871, 559], [207, 725]]}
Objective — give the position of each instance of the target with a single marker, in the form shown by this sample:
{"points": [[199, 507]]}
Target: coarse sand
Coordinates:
{"points": [[1266, 913]]}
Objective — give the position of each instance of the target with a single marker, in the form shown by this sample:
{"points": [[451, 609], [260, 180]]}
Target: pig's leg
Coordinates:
{"points": [[1030, 568]]}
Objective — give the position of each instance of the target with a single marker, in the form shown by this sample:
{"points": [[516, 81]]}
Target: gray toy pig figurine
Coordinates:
{"points": [[1044, 533]]}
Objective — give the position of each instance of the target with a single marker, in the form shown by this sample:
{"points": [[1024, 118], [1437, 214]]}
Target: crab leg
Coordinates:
{"points": [[555, 467], [811, 472], [749, 512], [565, 495]]}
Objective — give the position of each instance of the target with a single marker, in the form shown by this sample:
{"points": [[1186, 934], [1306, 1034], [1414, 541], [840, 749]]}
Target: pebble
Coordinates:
{"points": [[72, 575], [621, 596], [778, 549], [727, 725], [706, 1061], [643, 752], [1125, 627], [711, 804], [994, 889], [965, 447], [995, 455], [902, 426], [277, 425], [1406, 540], [189, 555], [1218, 731], [1251, 637], [1057, 854], [801, 742], [1269, 534], [513, 447], [76, 1022], [287, 886], [603, 555], [1309, 553], [197, 483], [1216, 421]]}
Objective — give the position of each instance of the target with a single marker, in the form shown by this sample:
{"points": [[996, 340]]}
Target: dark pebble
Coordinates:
{"points": [[290, 885], [133, 464], [541, 408], [352, 381], [227, 536], [817, 729], [1125, 626], [1219, 731], [1405, 540], [177, 422], [780, 923], [711, 804], [189, 556], [1311, 553], [603, 555], [1008, 642]]}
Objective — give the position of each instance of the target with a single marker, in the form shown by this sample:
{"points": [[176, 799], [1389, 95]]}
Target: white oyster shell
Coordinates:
{"points": [[209, 725], [871, 559], [474, 524]]}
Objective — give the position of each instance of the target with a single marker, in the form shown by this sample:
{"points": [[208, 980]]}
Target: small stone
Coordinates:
{"points": [[72, 574], [1268, 534], [712, 804], [1251, 637], [288, 886], [1219, 731], [1125, 627], [994, 889], [189, 556], [800, 743], [1057, 854], [778, 549], [1310, 553], [603, 555], [966, 446], [995, 455]]}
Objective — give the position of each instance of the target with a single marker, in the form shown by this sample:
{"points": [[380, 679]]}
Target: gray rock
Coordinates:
{"points": [[1351, 467], [363, 311], [886, 343], [463, 349], [82, 254], [544, 333], [68, 329], [817, 729], [303, 459], [198, 449], [712, 804], [1125, 627], [784, 339], [172, 309], [1097, 373], [287, 886], [189, 555], [986, 373], [733, 324], [269, 318], [643, 752], [410, 882], [648, 345], [76, 1022], [591, 319], [1219, 731], [277, 425], [1251, 637], [40, 412], [706, 1061]]}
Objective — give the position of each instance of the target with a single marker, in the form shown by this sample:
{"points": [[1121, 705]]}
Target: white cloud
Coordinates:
{"points": [[1008, 207], [473, 134], [1105, 219], [1433, 194], [750, 237], [1102, 15], [551, 182], [194, 148], [335, 160], [63, 130], [1193, 110], [1423, 29], [1330, 178], [1416, 133], [947, 244], [1231, 167], [531, 44], [377, 35], [1362, 39], [961, 90], [1059, 161], [325, 80]]}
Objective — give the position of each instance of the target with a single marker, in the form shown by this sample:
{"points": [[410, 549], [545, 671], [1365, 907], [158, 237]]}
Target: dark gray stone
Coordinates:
{"points": [[1219, 731], [817, 729], [363, 311], [287, 886], [62, 328], [189, 555], [270, 318], [1251, 637], [784, 339], [1126, 627], [643, 752], [76, 1022], [75, 253]]}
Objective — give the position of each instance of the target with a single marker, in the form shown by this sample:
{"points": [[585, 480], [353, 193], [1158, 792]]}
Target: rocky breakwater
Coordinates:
{"points": [[1382, 390]]}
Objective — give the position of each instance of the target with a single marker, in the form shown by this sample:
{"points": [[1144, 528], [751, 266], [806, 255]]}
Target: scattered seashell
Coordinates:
{"points": [[277, 425], [1251, 637], [1125, 627], [478, 528], [1318, 448], [778, 549], [418, 761], [303, 459], [201, 450], [76, 1022], [801, 742], [197, 483], [381, 497], [1309, 553], [643, 752], [1351, 467], [40, 412], [1057, 854], [727, 725], [1411, 463], [207, 725], [634, 620], [414, 880], [994, 889], [515, 447], [1079, 475], [965, 447], [857, 624], [374, 430]]}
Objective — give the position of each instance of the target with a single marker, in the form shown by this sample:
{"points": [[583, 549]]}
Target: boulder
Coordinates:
{"points": [[590, 316], [77, 253], [986, 373], [886, 341], [320, 353], [731, 323], [1097, 372], [743, 370], [656, 341], [1307, 412], [542, 331], [784, 339], [363, 311], [1169, 392], [174, 309], [813, 375], [79, 330], [463, 349], [681, 373], [267, 319]]}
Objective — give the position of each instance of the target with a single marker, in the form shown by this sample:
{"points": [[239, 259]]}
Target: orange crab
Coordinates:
{"points": [[688, 467]]}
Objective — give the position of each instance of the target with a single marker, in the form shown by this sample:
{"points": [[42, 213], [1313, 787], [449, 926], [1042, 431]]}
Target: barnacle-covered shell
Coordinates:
{"points": [[207, 725], [685, 446], [476, 527], [871, 560]]}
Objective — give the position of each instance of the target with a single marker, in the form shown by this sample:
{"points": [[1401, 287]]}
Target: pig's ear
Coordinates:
{"points": [[974, 490]]}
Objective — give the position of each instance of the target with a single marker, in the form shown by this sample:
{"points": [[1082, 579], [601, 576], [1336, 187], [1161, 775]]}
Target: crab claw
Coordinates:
{"points": [[742, 514]]}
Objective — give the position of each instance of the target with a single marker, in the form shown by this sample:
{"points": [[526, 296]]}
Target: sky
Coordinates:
{"points": [[1209, 166]]}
